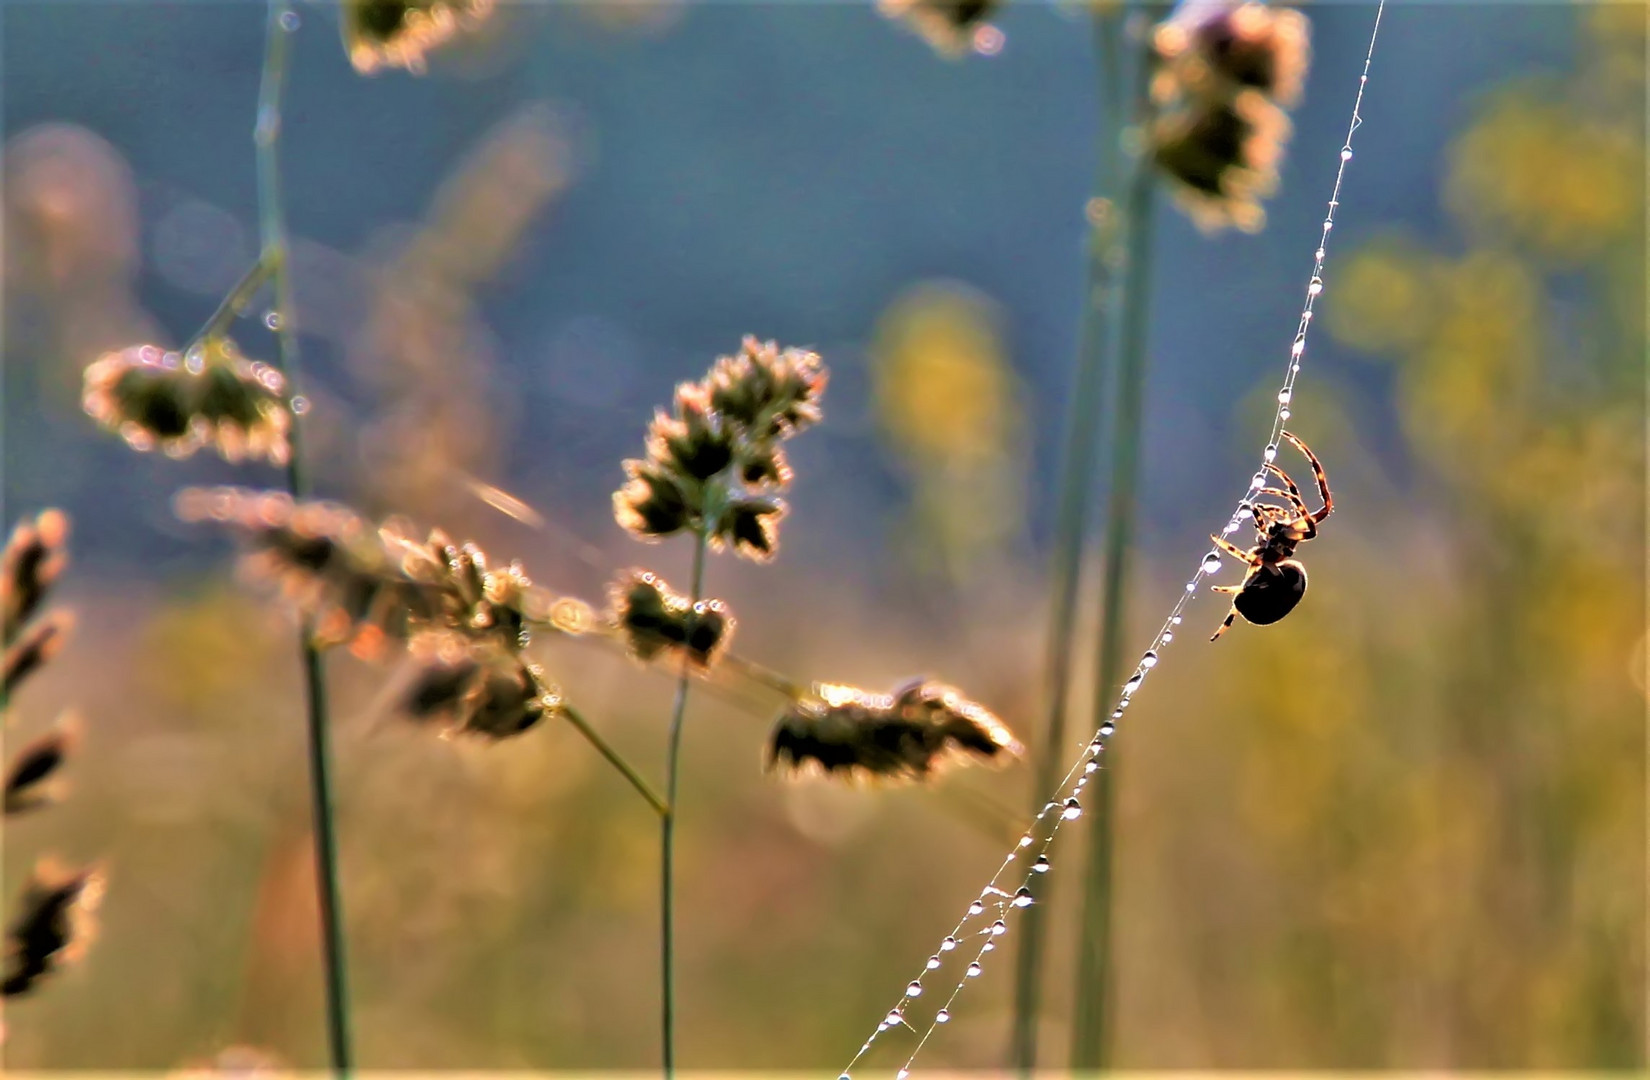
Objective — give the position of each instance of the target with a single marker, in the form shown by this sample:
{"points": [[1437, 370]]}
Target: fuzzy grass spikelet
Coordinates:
{"points": [[1225, 73], [34, 557], [398, 33], [714, 461], [1217, 50], [54, 924], [36, 644], [365, 586], [655, 621], [909, 734], [948, 25], [32, 777], [478, 688], [214, 398]]}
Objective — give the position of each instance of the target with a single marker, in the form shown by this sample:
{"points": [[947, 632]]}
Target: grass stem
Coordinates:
{"points": [[613, 757], [1076, 486], [1091, 1020], [667, 837], [275, 260]]}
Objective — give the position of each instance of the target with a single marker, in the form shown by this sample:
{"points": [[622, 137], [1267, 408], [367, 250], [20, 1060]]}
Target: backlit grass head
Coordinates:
{"points": [[910, 734]]}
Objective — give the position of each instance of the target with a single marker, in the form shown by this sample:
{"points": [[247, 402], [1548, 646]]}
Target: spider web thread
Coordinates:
{"points": [[996, 902]]}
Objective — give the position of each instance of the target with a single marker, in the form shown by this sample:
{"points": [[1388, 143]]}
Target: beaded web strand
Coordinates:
{"points": [[1000, 897]]}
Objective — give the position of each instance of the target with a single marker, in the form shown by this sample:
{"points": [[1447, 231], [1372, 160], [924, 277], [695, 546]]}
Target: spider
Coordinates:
{"points": [[1276, 581]]}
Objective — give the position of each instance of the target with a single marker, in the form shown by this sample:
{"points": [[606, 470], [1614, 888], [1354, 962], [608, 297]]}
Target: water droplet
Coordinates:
{"points": [[1283, 414], [974, 969], [933, 962], [1149, 660], [948, 944], [1025, 841], [272, 319], [1211, 563], [1191, 586], [1319, 254], [1284, 395], [1073, 810], [1023, 898], [300, 405], [1131, 686], [194, 362], [1107, 729], [1168, 636], [1328, 223], [894, 1017], [902, 1074], [1175, 621], [1294, 369], [976, 908], [1315, 287], [1087, 768], [1298, 347], [1272, 452], [1231, 527], [1258, 481], [988, 946], [1041, 865], [1117, 714], [943, 1016], [289, 21], [844, 1076], [914, 989]]}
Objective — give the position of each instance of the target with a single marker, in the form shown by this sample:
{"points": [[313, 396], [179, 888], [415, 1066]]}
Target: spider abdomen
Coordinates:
{"points": [[1271, 592]]}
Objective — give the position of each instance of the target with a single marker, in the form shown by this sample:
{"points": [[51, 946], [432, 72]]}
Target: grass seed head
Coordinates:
{"points": [[949, 26], [1223, 157], [398, 33], [1214, 50], [54, 924], [32, 779], [35, 646], [910, 734], [652, 504], [33, 559], [655, 620], [214, 398], [750, 526], [478, 688]]}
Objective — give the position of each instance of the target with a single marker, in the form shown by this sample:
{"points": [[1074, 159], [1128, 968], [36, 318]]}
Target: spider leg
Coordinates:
{"points": [[1226, 588], [1234, 551], [1300, 518], [1293, 494], [1317, 471], [1225, 626]]}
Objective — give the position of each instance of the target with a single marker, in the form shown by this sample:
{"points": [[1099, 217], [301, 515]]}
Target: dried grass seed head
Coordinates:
{"points": [[33, 559], [652, 504], [695, 443], [32, 778], [771, 393], [950, 26], [478, 687], [398, 33], [1215, 49], [750, 526], [214, 397], [1223, 158], [365, 587], [41, 640], [655, 620], [920, 728], [53, 925]]}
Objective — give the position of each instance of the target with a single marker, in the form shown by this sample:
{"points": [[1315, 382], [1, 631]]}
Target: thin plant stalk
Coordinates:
{"points": [[667, 838], [1091, 1020], [1077, 481], [605, 749], [275, 260]]}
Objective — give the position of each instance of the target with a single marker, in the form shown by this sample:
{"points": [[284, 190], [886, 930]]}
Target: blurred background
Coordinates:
{"points": [[1403, 829]]}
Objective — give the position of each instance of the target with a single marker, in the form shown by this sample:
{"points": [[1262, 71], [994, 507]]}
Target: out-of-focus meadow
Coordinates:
{"points": [[1404, 828]]}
